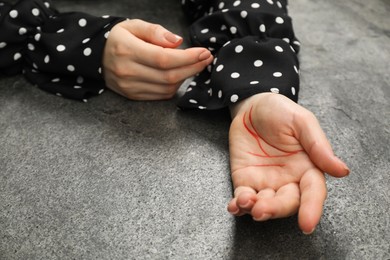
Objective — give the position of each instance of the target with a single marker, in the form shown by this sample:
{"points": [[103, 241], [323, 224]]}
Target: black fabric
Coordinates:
{"points": [[253, 43]]}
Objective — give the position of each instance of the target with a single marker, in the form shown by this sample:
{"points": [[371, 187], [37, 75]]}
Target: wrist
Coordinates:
{"points": [[244, 105]]}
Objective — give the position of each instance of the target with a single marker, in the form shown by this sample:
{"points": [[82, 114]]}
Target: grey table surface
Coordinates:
{"points": [[116, 179]]}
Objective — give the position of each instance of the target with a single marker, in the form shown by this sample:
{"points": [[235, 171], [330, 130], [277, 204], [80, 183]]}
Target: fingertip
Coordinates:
{"points": [[204, 55], [308, 232], [340, 169]]}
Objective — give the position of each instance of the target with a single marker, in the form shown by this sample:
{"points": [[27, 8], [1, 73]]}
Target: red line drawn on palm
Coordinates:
{"points": [[260, 142]]}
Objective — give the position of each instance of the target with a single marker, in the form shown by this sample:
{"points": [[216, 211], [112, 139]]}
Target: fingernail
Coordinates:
{"points": [[309, 233], [235, 212], [172, 38], [346, 169], [263, 217], [204, 55]]}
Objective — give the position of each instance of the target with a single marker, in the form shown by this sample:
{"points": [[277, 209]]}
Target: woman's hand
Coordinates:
{"points": [[278, 153], [141, 61]]}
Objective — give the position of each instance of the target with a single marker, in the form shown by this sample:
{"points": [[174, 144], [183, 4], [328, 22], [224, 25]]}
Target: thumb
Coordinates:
{"points": [[152, 33], [317, 146]]}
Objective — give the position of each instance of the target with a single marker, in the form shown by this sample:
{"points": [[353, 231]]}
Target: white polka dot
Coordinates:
{"points": [[85, 100], [286, 40], [206, 30], [100, 70], [13, 14], [101, 91], [210, 91], [80, 80], [55, 80], [293, 91], [221, 5], [61, 48], [219, 68], [254, 82], [37, 37], [17, 56], [223, 27], [275, 90], [87, 51], [296, 69], [61, 30], [270, 2], [86, 40], [76, 87], [220, 94], [193, 83], [226, 43], [277, 74], [46, 59], [297, 43], [233, 30], [105, 16], [59, 94], [255, 5], [189, 89], [258, 63], [193, 101], [224, 10], [3, 44], [22, 31], [209, 68], [213, 39], [215, 61], [239, 49], [279, 20], [200, 107], [279, 4], [244, 14], [234, 98], [278, 49], [207, 81], [70, 68], [106, 34], [82, 22], [292, 49], [35, 11], [236, 3], [235, 75], [31, 46], [262, 28]]}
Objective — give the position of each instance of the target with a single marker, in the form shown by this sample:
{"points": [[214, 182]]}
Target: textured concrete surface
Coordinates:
{"points": [[115, 179]]}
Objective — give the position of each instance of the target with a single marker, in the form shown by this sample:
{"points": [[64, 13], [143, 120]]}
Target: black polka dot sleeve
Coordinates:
{"points": [[255, 51], [59, 52]]}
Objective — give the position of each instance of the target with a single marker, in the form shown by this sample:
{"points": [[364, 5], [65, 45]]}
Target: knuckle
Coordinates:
{"points": [[171, 77], [162, 61], [120, 71]]}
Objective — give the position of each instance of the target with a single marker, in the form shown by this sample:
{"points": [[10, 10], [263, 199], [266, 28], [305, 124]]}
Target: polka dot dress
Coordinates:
{"points": [[61, 53], [255, 51], [253, 43]]}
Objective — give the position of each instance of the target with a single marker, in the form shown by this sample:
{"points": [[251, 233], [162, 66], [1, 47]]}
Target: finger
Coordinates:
{"points": [[313, 195], [243, 201], [284, 204], [142, 73], [153, 33], [315, 143], [165, 58], [262, 177]]}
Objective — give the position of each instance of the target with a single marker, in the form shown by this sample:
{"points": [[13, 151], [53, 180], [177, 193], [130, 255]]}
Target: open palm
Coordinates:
{"points": [[278, 154]]}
